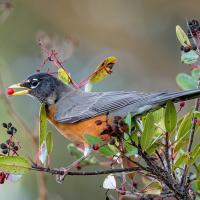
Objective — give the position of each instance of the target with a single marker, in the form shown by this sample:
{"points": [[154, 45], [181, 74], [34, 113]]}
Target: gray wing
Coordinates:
{"points": [[80, 106]]}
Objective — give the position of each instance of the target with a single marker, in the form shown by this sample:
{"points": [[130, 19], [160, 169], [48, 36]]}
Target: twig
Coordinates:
{"points": [[192, 132], [161, 160], [167, 157], [85, 173]]}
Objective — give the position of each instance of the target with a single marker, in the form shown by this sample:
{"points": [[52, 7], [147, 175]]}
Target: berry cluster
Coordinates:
{"points": [[194, 28], [117, 128], [9, 146], [11, 130]]}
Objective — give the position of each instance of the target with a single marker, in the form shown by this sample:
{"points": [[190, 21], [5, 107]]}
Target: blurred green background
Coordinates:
{"points": [[141, 34]]}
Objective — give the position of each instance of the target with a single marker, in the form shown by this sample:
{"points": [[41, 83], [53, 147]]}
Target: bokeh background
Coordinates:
{"points": [[141, 34]]}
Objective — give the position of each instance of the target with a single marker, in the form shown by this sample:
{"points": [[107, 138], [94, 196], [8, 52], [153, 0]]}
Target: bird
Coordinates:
{"points": [[74, 112]]}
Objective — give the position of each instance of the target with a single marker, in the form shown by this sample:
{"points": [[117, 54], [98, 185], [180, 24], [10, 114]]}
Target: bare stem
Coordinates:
{"points": [[192, 132]]}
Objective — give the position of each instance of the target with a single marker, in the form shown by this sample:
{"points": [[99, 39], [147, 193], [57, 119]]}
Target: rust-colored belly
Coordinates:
{"points": [[74, 132]]}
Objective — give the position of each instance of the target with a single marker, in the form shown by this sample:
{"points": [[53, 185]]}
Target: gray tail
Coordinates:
{"points": [[162, 98]]}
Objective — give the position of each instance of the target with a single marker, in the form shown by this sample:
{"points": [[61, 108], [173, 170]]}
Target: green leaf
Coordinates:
{"points": [[49, 143], [148, 133], [196, 186], [185, 81], [183, 159], [154, 188], [158, 115], [195, 74], [131, 150], [107, 151], [185, 126], [181, 143], [92, 139], [195, 154], [197, 114], [43, 124], [182, 37], [189, 57], [128, 121], [170, 117], [14, 164], [74, 151]]}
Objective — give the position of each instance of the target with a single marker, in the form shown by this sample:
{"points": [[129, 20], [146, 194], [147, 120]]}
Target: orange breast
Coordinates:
{"points": [[74, 132]]}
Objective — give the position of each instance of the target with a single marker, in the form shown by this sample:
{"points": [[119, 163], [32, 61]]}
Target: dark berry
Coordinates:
{"points": [[9, 132], [13, 129], [98, 122], [186, 49], [107, 198], [3, 146], [8, 141], [194, 47], [5, 125], [108, 127], [95, 147], [16, 148], [78, 166], [5, 151], [112, 141], [9, 124], [2, 177], [182, 104]]}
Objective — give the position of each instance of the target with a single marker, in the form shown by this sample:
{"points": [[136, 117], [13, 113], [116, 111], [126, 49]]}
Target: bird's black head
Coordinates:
{"points": [[45, 87]]}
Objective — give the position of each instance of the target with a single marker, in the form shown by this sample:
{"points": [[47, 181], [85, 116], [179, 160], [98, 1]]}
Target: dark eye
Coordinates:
{"points": [[34, 82]]}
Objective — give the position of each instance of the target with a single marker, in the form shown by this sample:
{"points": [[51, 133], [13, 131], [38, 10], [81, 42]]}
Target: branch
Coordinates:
{"points": [[167, 152], [189, 148], [84, 173]]}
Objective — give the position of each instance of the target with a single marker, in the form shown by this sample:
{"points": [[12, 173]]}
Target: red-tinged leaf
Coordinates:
{"points": [[92, 139]]}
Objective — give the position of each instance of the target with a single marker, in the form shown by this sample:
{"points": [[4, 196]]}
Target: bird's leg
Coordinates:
{"points": [[86, 153]]}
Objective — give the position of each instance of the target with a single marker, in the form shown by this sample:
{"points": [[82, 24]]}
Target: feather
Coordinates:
{"points": [[77, 105]]}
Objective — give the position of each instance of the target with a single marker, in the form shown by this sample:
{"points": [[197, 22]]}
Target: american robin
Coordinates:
{"points": [[74, 112]]}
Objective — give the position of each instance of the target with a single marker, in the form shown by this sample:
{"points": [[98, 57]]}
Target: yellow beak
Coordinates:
{"points": [[18, 86]]}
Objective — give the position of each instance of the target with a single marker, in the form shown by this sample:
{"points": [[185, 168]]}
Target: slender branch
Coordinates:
{"points": [[161, 160], [192, 132], [167, 157], [84, 173]]}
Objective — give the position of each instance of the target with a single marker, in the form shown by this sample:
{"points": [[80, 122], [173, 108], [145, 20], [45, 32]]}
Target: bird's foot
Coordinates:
{"points": [[60, 178]]}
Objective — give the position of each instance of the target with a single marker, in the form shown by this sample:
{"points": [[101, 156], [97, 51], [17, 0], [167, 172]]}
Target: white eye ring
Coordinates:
{"points": [[34, 83]]}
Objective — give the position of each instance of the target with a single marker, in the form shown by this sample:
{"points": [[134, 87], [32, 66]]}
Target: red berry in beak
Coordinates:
{"points": [[10, 91]]}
